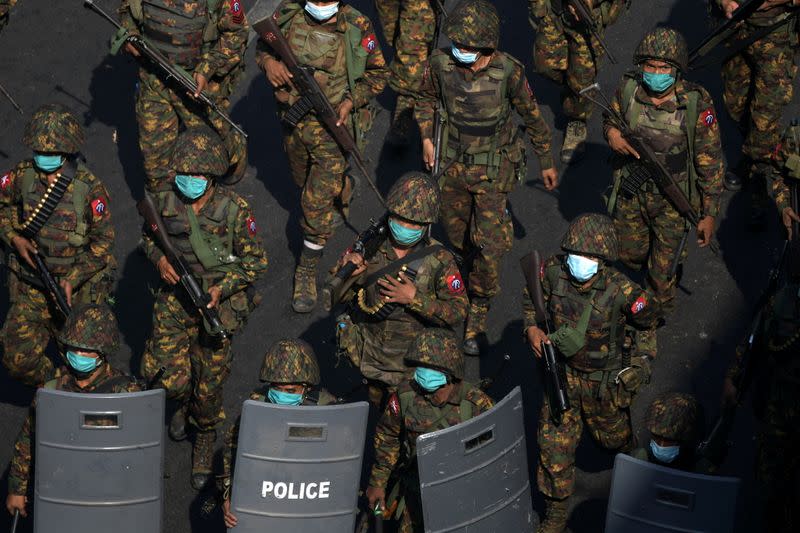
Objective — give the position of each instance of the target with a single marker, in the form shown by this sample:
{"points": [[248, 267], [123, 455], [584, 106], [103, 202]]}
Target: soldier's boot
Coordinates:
{"points": [[177, 424], [475, 332], [202, 458], [647, 343], [400, 127], [556, 515], [304, 297], [574, 142]]}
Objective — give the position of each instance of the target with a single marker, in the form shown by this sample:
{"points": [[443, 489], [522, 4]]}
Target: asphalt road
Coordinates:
{"points": [[57, 51]]}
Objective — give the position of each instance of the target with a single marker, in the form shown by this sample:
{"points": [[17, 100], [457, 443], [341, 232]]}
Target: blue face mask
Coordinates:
{"points": [[658, 83], [581, 268], [466, 58], [429, 379], [81, 363], [190, 186], [48, 162], [322, 12], [284, 398], [403, 235], [665, 454]]}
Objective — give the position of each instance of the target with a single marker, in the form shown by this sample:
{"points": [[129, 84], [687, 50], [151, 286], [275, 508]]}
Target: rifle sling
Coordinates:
{"points": [[48, 203]]}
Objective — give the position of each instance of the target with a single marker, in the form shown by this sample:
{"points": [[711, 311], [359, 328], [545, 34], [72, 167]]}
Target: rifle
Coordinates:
{"points": [[554, 378], [51, 285], [366, 244], [590, 26], [312, 98], [190, 284], [714, 448], [10, 99], [16, 521], [648, 163], [724, 31], [169, 70]]}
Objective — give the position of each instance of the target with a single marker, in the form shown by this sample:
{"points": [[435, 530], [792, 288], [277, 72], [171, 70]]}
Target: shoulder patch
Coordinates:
{"points": [[708, 117], [369, 43], [777, 151], [394, 404], [99, 206], [528, 88], [250, 223], [455, 284], [639, 304], [236, 11], [6, 180]]}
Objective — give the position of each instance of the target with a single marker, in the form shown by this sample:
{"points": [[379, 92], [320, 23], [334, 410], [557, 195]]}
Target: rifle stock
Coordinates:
{"points": [[589, 24], [51, 285]]}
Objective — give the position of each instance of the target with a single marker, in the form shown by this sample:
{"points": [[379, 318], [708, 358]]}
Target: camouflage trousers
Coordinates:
{"points": [[162, 112], [318, 167], [758, 85], [605, 412], [474, 213], [650, 232], [196, 365]]}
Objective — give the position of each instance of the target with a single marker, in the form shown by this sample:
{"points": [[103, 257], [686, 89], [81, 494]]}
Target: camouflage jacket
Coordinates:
{"points": [[612, 295], [708, 160], [518, 92], [322, 397], [110, 381], [225, 34], [369, 79], [397, 429], [786, 166], [248, 259], [604, 11], [77, 242], [768, 16]]}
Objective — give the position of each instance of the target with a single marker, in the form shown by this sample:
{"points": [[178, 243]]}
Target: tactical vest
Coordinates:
{"points": [[439, 419], [782, 333], [66, 229], [476, 109]]}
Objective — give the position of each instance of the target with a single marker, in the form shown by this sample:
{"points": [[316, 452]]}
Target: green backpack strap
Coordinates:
{"points": [[204, 246]]}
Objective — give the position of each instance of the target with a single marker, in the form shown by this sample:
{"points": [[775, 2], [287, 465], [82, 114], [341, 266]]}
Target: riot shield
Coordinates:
{"points": [[646, 497], [298, 468], [474, 476], [99, 462]]}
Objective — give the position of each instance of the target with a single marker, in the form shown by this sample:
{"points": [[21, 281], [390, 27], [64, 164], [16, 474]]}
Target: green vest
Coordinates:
{"points": [[439, 422]]}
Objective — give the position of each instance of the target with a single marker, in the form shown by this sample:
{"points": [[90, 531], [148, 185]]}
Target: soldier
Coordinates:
{"points": [[477, 86], [5, 9], [53, 206], [677, 119], [207, 39], [564, 52], [410, 283], [786, 170], [338, 42], [89, 338], [291, 373], [410, 25], [436, 398], [591, 305], [215, 233]]}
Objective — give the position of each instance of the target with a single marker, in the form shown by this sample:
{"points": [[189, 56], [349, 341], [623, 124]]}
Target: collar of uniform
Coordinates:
{"points": [[340, 24], [496, 62], [105, 372], [388, 250], [209, 205], [677, 101]]}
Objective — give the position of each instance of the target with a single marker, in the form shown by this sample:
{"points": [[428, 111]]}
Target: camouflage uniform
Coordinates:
{"points": [[410, 25], [5, 8], [90, 327], [563, 54], [76, 243], [206, 37], [375, 336], [230, 256], [786, 166], [602, 378], [649, 227], [411, 412], [288, 361], [777, 461], [481, 138], [348, 64]]}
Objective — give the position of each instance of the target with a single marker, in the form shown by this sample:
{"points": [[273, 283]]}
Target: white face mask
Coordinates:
{"points": [[581, 268], [322, 12]]}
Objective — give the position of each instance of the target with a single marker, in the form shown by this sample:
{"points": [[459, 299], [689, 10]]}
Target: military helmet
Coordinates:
{"points": [[290, 361], [54, 129], [414, 197], [439, 348], [474, 23], [675, 416], [200, 151], [592, 234], [91, 327], [663, 44]]}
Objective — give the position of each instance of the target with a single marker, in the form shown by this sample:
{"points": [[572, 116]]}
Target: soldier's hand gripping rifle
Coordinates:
{"points": [[312, 98], [554, 373], [588, 24], [199, 299], [649, 166], [50, 284], [170, 71], [724, 31]]}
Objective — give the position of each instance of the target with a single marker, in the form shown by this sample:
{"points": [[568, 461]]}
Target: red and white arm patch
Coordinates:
{"points": [[236, 11], [455, 284], [639, 304], [708, 117], [251, 226], [529, 89], [6, 180], [776, 152], [369, 43], [394, 404], [99, 207], [541, 271]]}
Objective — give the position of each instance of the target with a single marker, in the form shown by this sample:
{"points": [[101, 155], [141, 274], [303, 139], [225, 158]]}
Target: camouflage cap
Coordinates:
{"points": [[54, 129], [438, 348], [91, 327], [474, 23], [414, 197], [290, 361], [200, 152], [592, 234], [663, 44], [674, 416]]}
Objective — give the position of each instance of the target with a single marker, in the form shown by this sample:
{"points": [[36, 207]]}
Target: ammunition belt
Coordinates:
{"points": [[47, 204], [381, 310]]}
